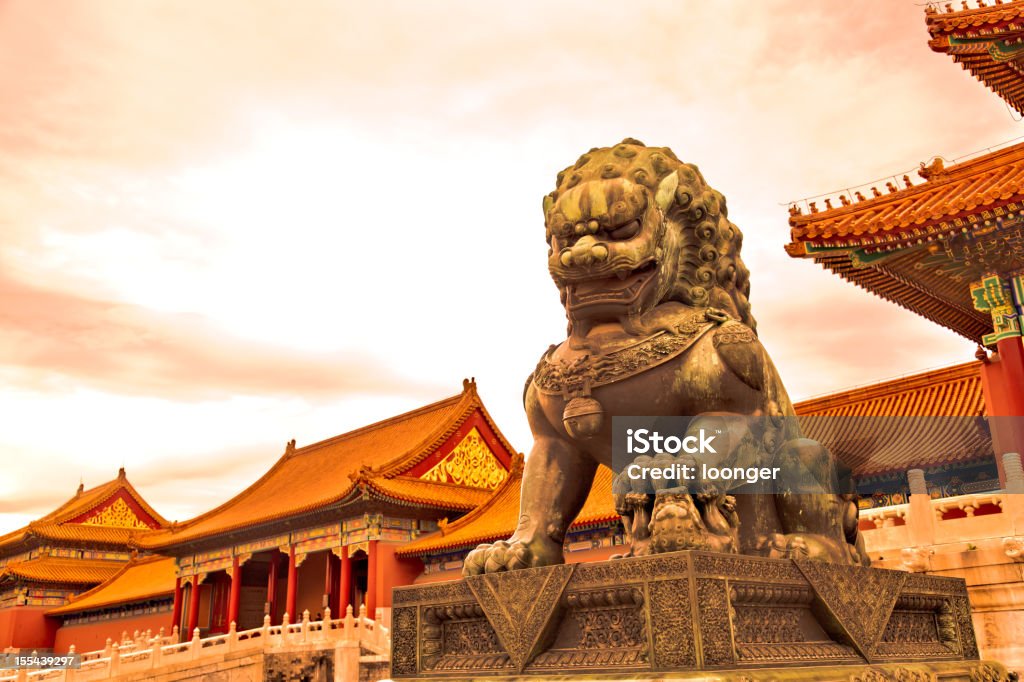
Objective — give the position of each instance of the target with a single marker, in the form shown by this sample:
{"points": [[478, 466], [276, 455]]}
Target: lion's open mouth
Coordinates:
{"points": [[622, 288]]}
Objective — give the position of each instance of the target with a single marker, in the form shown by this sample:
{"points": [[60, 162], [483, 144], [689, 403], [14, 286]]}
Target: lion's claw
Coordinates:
{"points": [[503, 555]]}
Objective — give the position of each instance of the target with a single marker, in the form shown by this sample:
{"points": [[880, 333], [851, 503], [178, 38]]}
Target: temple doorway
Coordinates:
{"points": [[360, 573]]}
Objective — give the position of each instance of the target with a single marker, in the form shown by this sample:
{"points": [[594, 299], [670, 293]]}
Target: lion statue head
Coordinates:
{"points": [[632, 227]]}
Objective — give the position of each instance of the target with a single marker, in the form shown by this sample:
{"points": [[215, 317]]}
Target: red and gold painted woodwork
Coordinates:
{"points": [[121, 511], [470, 463], [218, 572], [473, 456]]}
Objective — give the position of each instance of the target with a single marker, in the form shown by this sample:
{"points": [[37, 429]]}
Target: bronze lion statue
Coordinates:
{"points": [[656, 295]]}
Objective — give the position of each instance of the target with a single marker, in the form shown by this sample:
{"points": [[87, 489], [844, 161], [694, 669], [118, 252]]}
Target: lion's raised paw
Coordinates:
{"points": [[503, 555]]}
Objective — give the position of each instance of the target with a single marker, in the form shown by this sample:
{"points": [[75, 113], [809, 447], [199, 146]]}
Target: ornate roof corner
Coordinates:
{"points": [[985, 40]]}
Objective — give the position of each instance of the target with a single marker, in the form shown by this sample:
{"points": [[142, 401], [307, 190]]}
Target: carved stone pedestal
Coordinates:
{"points": [[671, 615]]}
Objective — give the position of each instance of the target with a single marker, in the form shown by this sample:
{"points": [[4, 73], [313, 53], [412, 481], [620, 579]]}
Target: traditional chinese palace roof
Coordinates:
{"points": [[444, 457], [987, 40], [859, 427], [60, 570], [498, 517], [106, 515], [139, 580], [921, 246]]}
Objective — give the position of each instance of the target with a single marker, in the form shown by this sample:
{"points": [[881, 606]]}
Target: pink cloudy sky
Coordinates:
{"points": [[229, 224]]}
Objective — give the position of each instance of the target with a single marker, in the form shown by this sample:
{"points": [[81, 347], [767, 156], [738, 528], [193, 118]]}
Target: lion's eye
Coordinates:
{"points": [[627, 231]]}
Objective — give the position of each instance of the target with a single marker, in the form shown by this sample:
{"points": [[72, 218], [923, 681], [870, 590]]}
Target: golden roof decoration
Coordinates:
{"points": [[471, 463]]}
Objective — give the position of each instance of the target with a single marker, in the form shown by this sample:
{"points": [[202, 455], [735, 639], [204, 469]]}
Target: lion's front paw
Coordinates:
{"points": [[504, 555]]}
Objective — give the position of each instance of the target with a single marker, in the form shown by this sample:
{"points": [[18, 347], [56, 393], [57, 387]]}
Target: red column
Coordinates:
{"points": [[176, 612], [193, 608], [272, 584], [236, 591], [371, 580], [1011, 357], [289, 604], [1002, 380], [345, 588]]}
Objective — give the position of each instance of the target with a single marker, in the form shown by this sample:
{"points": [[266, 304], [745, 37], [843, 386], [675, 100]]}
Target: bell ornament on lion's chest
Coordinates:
{"points": [[583, 417]]}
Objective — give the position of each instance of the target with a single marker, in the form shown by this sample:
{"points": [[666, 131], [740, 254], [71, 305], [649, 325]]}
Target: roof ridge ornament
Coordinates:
{"points": [[933, 169], [518, 462]]}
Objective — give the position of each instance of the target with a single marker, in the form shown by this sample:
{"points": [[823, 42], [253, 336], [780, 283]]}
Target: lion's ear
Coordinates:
{"points": [[666, 192], [549, 201]]}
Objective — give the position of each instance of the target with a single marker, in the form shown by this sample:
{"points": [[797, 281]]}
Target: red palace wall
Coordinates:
{"points": [[93, 636], [392, 572], [26, 627]]}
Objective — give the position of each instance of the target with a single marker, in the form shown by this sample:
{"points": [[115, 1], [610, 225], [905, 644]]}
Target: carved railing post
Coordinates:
{"points": [[175, 635], [157, 653], [196, 645], [325, 624], [350, 624], [284, 629], [114, 667], [232, 636], [305, 625]]}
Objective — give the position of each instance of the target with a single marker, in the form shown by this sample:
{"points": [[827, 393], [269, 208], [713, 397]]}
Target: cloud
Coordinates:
{"points": [[51, 339], [209, 210]]}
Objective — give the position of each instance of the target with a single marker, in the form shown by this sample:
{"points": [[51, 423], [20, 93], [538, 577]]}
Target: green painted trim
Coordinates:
{"points": [[860, 258]]}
